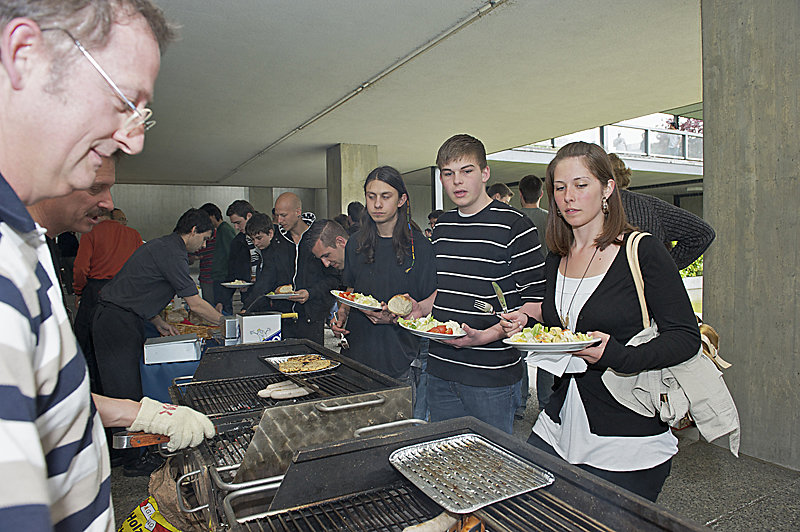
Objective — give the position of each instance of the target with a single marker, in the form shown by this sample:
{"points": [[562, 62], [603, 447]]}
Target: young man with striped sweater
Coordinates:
{"points": [[480, 242]]}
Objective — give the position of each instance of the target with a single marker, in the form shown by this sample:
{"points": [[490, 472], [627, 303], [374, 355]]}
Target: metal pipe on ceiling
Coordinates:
{"points": [[483, 10]]}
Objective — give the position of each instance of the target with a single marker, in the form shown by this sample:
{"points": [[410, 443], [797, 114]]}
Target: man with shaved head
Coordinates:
{"points": [[295, 265]]}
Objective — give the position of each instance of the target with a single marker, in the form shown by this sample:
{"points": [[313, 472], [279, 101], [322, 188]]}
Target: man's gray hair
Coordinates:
{"points": [[89, 21]]}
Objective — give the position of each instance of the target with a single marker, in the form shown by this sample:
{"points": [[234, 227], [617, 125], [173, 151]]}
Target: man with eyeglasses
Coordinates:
{"points": [[74, 77]]}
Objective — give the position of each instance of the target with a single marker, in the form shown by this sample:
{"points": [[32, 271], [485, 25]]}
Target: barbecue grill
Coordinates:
{"points": [[257, 437], [352, 486]]}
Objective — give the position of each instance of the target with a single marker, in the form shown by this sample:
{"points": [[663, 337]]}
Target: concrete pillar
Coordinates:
{"points": [[347, 168], [261, 198], [751, 90]]}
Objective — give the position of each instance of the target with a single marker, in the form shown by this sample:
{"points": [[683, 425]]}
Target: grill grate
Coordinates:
{"points": [[535, 511], [227, 396], [229, 448], [334, 384], [384, 510]]}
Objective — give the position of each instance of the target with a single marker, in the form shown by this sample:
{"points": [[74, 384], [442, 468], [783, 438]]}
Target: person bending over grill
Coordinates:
{"points": [[590, 289], [260, 230], [143, 287]]}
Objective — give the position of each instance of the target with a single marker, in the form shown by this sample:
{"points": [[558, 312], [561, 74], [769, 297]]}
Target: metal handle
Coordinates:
{"points": [[227, 502], [214, 473], [183, 378], [339, 408], [392, 424], [178, 484]]}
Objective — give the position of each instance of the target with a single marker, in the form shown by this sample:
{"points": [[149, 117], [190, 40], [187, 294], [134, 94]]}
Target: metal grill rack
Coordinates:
{"points": [[383, 510]]}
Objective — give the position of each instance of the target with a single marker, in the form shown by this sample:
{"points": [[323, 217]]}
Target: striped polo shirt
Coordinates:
{"points": [[53, 459], [498, 244]]}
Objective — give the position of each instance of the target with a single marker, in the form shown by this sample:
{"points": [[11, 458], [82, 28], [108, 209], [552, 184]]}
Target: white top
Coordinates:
{"points": [[572, 439]]}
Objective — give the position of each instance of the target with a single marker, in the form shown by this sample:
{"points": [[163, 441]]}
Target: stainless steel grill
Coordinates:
{"points": [[229, 448], [353, 486], [227, 396], [386, 509], [537, 511], [345, 398]]}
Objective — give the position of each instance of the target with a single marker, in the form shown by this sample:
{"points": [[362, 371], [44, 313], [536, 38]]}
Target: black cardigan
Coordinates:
{"points": [[613, 308]]}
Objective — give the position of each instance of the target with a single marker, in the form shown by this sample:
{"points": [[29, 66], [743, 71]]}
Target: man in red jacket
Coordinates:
{"points": [[101, 254]]}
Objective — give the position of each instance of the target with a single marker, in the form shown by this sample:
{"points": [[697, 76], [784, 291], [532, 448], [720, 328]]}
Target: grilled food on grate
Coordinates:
{"points": [[304, 363]]}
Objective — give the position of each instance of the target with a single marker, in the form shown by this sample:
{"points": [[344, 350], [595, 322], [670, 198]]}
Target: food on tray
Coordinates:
{"points": [[539, 334], [431, 325], [304, 363], [285, 289], [239, 282], [201, 331], [283, 390], [401, 305], [361, 299]]}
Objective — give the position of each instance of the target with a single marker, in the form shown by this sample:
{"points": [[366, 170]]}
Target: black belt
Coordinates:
{"points": [[109, 304]]}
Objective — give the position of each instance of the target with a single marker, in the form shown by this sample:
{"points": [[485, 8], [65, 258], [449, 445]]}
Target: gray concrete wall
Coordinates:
{"points": [[153, 210], [751, 81], [262, 200]]}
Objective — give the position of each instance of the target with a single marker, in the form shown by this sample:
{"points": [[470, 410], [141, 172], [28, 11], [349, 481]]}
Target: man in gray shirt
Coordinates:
{"points": [[530, 192]]}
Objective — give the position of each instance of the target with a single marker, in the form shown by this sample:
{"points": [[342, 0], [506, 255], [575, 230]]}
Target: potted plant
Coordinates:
{"points": [[693, 281]]}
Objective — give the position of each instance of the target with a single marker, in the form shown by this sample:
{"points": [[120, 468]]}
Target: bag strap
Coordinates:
{"points": [[632, 251]]}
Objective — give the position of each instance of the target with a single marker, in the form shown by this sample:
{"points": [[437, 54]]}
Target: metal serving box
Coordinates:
{"points": [[180, 348]]}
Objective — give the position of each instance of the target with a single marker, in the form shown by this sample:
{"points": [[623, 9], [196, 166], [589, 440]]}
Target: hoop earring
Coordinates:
{"points": [[605, 206]]}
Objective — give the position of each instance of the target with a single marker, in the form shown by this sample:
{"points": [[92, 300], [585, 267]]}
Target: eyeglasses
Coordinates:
{"points": [[139, 117]]}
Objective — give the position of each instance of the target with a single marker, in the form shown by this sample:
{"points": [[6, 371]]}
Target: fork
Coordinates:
{"points": [[483, 306]]}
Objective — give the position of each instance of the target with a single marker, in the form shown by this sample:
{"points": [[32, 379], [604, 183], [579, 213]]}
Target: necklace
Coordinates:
{"points": [[564, 316]]}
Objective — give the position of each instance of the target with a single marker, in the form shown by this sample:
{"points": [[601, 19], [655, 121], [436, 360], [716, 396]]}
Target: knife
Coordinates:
{"points": [[500, 297]]}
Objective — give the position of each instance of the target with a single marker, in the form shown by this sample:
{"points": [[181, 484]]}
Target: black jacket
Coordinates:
{"points": [[239, 267], [303, 271]]}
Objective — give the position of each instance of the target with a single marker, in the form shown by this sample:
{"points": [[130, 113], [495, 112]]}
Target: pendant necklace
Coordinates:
{"points": [[564, 316]]}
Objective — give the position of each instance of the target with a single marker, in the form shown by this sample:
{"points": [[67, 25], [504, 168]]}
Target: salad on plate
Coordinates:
{"points": [[360, 301], [431, 325], [539, 334]]}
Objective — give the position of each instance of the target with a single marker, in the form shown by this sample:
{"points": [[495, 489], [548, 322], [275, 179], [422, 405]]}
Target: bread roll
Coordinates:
{"points": [[284, 289], [400, 305]]}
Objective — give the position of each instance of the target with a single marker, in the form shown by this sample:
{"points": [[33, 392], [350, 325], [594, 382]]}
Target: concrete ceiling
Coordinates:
{"points": [[246, 74]]}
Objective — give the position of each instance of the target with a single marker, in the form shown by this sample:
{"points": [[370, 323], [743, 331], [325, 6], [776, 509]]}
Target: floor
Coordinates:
{"points": [[707, 484]]}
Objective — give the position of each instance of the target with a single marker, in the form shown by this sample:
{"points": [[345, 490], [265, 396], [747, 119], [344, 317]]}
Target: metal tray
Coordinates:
{"points": [[464, 473], [275, 362]]}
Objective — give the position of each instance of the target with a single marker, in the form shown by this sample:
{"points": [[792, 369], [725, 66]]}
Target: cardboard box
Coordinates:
{"points": [[261, 327], [181, 348]]}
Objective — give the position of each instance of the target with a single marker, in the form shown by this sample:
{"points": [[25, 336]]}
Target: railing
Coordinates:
{"points": [[628, 140]]}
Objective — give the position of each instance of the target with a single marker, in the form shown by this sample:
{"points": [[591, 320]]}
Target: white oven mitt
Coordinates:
{"points": [[184, 426]]}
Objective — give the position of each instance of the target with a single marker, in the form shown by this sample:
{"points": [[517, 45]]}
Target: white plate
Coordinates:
{"points": [[276, 362], [335, 293], [236, 285], [435, 336], [561, 347], [281, 296]]}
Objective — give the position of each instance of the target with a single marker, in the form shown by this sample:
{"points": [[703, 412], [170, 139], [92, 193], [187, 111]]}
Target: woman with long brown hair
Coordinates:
{"points": [[590, 289]]}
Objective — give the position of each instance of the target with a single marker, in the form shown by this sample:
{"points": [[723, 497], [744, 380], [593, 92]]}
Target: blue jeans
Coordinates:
{"points": [[492, 405]]}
